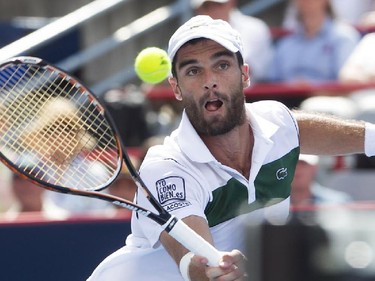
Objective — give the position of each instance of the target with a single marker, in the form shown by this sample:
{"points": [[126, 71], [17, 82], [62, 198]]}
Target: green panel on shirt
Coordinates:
{"points": [[272, 185]]}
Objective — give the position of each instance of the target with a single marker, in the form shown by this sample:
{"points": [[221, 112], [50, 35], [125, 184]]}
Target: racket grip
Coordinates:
{"points": [[195, 243]]}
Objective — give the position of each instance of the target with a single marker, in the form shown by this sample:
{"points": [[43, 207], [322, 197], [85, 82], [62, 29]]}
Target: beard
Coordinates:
{"points": [[218, 125]]}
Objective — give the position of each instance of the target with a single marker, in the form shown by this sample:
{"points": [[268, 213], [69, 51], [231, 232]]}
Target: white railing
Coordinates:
{"points": [[122, 35], [57, 28], [179, 9]]}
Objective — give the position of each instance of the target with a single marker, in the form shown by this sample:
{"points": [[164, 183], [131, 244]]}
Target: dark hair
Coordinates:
{"points": [[195, 41]]}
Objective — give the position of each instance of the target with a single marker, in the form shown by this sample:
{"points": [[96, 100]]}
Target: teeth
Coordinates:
{"points": [[213, 100], [213, 105]]}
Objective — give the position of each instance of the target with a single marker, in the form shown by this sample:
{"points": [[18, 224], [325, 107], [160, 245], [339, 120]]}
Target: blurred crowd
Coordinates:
{"points": [[323, 41]]}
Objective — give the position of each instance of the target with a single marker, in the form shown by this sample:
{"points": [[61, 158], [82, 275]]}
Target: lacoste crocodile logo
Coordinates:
{"points": [[282, 173]]}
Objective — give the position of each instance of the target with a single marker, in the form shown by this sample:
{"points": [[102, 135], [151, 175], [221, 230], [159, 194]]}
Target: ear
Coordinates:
{"points": [[245, 76], [176, 89]]}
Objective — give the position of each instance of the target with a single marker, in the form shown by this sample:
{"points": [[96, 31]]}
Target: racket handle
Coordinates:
{"points": [[194, 242]]}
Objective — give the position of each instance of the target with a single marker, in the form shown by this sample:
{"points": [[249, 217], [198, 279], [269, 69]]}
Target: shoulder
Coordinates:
{"points": [[344, 30], [160, 160], [167, 152], [273, 112], [270, 109]]}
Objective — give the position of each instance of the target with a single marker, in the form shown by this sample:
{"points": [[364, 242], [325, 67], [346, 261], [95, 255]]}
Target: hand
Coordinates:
{"points": [[231, 267]]}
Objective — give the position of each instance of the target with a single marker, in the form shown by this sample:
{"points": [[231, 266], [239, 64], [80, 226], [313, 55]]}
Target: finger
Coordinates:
{"points": [[234, 273], [234, 257], [199, 260]]}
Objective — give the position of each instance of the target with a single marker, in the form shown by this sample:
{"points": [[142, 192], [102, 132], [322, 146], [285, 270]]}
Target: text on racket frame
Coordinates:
{"points": [[131, 207]]}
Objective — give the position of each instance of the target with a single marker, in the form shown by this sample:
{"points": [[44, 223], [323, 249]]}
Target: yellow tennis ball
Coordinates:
{"points": [[152, 65]]}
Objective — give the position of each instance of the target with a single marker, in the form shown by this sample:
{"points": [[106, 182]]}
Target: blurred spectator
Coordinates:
{"points": [[51, 126], [318, 48], [360, 66], [27, 197], [342, 107], [128, 108], [305, 188], [5, 187], [124, 186], [368, 19], [2, 118], [350, 11], [5, 172], [256, 36], [154, 140]]}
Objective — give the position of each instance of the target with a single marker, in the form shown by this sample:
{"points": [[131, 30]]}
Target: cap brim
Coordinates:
{"points": [[225, 44]]}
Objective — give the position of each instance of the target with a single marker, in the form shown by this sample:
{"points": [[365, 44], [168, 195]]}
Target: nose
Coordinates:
{"points": [[211, 86], [210, 81]]}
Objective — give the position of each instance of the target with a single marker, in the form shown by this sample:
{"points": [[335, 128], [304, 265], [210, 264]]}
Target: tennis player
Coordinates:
{"points": [[227, 164]]}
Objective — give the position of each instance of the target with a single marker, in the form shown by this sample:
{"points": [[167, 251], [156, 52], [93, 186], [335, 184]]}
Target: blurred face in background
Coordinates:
{"points": [[311, 7]]}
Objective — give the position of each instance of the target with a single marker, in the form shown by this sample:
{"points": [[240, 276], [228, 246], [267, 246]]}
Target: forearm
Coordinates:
{"points": [[328, 135], [177, 251]]}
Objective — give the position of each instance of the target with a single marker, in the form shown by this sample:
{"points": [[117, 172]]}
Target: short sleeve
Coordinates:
{"points": [[175, 188]]}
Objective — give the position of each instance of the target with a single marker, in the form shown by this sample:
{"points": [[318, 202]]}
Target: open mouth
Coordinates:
{"points": [[213, 105]]}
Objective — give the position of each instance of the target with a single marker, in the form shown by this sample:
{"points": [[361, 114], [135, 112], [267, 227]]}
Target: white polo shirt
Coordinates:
{"points": [[187, 180]]}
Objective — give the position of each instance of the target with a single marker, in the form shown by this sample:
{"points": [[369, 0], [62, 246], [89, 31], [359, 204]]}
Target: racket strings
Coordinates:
{"points": [[25, 111], [92, 120], [29, 96], [10, 86], [78, 176], [87, 123], [27, 100]]}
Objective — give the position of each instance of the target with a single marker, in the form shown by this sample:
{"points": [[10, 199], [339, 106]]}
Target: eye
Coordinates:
{"points": [[223, 65], [192, 71]]}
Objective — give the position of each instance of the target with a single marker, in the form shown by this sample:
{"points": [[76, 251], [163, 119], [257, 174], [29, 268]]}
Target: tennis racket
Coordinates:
{"points": [[56, 133]]}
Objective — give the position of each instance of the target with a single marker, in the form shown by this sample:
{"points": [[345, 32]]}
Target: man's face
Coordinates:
{"points": [[210, 84], [308, 7]]}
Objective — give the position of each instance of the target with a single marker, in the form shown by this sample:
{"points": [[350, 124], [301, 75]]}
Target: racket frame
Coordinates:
{"points": [[174, 226]]}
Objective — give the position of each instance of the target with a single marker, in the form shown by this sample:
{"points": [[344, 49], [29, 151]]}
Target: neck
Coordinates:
{"points": [[233, 149], [312, 24]]}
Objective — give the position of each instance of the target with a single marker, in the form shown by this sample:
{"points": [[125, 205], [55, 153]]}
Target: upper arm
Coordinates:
{"points": [[176, 189]]}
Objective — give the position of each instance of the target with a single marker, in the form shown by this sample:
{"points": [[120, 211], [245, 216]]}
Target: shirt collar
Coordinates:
{"points": [[194, 148], [327, 25], [190, 142]]}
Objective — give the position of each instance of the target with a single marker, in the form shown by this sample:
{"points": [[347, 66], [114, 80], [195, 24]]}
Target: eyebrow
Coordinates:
{"points": [[224, 53], [186, 62]]}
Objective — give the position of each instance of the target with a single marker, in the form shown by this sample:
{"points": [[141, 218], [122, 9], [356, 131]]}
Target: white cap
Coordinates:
{"points": [[309, 159], [197, 3], [205, 27]]}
